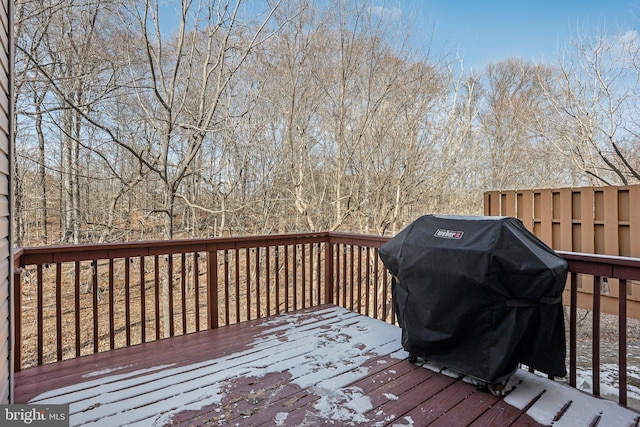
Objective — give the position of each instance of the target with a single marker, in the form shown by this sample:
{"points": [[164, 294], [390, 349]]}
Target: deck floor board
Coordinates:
{"points": [[317, 366]]}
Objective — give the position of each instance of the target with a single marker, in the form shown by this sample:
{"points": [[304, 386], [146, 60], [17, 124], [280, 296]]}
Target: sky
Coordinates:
{"points": [[483, 31]]}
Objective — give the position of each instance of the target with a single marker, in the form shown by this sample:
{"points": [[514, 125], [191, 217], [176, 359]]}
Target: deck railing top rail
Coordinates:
{"points": [[87, 252], [610, 266]]}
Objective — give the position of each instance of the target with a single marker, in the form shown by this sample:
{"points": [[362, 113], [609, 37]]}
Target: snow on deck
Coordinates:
{"points": [[321, 366]]}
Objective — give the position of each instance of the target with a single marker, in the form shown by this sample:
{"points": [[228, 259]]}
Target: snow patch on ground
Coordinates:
{"points": [[553, 398], [105, 371], [407, 421], [609, 384], [347, 405], [280, 418]]}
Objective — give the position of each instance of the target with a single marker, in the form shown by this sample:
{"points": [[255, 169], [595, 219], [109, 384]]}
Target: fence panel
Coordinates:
{"points": [[593, 220]]}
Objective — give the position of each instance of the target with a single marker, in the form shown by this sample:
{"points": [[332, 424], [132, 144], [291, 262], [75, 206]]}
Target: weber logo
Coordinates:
{"points": [[449, 234]]}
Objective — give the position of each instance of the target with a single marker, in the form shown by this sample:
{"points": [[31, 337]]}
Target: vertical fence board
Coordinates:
{"points": [[611, 220], [576, 221], [634, 219], [508, 204], [633, 287], [546, 217], [527, 209], [565, 214], [587, 220], [492, 203], [556, 224], [624, 236], [537, 213]]}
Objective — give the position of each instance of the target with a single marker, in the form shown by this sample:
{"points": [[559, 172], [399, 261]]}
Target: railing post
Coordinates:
{"points": [[212, 288], [573, 319], [17, 319], [58, 306], [328, 272], [595, 339], [622, 341], [39, 315]]}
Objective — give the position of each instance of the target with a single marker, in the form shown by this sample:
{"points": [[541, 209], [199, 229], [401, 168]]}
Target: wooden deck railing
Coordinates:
{"points": [[600, 267], [77, 300]]}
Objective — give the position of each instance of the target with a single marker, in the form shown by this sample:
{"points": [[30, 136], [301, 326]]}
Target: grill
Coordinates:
{"points": [[480, 295]]}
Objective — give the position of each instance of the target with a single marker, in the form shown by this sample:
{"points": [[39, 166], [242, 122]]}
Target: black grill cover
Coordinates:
{"points": [[479, 295]]}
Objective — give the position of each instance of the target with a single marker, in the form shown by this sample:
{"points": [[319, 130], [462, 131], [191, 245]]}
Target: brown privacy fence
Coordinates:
{"points": [[593, 220]]}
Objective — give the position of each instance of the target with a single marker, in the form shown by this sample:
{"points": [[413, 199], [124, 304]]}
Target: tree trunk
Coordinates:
{"points": [[42, 172], [67, 190]]}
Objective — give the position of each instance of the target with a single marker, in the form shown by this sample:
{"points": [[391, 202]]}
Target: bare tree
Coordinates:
{"points": [[60, 70], [186, 78], [513, 101], [202, 118], [594, 103]]}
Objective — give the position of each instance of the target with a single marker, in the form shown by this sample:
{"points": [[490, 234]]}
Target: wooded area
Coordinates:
{"points": [[144, 120]]}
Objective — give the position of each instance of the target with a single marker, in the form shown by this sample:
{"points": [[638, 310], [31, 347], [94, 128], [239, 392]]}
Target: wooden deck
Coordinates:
{"points": [[320, 366]]}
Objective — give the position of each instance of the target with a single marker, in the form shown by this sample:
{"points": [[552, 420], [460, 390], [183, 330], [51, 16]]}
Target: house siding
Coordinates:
{"points": [[6, 137]]}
